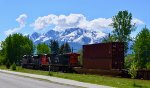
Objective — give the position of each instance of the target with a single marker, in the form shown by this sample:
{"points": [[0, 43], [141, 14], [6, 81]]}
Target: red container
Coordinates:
{"points": [[103, 56]]}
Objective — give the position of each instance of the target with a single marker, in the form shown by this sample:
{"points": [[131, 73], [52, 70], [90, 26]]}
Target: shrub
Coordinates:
{"points": [[2, 60], [148, 65], [8, 64], [128, 61], [13, 67], [133, 72]]}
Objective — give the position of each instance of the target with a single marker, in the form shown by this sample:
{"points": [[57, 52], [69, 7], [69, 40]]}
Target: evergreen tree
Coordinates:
{"points": [[141, 48], [61, 49], [65, 48], [54, 46]]}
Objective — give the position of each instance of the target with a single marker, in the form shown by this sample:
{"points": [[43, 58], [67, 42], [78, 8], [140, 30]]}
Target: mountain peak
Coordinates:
{"points": [[34, 36], [75, 36]]}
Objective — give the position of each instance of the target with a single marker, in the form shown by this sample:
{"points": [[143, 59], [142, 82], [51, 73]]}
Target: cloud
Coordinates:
{"points": [[96, 24], [62, 22], [137, 21], [21, 20]]}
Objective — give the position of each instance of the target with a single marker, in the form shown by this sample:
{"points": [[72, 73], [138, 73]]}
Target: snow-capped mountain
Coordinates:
{"points": [[75, 36], [34, 36]]}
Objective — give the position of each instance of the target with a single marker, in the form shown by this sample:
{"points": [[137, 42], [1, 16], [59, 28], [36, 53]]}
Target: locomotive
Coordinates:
{"points": [[54, 62]]}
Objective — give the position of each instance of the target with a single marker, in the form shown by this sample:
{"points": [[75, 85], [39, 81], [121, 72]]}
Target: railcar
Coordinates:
{"points": [[103, 58], [64, 62], [28, 61], [56, 62]]}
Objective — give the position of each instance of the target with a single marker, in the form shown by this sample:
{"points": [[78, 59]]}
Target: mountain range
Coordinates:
{"points": [[76, 37]]}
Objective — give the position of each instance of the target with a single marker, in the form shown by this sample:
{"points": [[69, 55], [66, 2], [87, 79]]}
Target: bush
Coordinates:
{"points": [[133, 72], [13, 67], [128, 61], [1, 63], [148, 65], [2, 60], [8, 64]]}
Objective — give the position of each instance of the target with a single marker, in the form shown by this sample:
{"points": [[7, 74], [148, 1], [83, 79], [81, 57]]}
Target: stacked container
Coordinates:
{"points": [[103, 56]]}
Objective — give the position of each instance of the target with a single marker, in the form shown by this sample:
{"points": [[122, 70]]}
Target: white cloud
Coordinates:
{"points": [[137, 21], [21, 20], [62, 22], [12, 31], [96, 24]]}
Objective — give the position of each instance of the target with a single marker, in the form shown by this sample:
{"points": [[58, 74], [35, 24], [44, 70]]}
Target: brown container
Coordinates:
{"points": [[103, 56]]}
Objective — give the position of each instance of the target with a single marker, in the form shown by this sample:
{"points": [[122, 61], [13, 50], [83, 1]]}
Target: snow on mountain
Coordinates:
{"points": [[34, 36], [75, 36], [52, 34]]}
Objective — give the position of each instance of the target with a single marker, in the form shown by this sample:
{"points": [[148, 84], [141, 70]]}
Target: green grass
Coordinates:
{"points": [[102, 80]]}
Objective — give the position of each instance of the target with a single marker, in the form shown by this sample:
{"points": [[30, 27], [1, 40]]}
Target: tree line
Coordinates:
{"points": [[17, 45], [53, 47]]}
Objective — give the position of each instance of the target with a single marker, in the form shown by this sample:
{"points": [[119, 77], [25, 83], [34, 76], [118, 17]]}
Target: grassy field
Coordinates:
{"points": [[102, 80]]}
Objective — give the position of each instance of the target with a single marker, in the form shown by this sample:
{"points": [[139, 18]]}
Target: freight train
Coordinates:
{"points": [[104, 56], [54, 62], [101, 58]]}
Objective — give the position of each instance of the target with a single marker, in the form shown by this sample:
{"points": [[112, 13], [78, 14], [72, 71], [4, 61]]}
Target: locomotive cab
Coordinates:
{"points": [[70, 59], [26, 60], [73, 59]]}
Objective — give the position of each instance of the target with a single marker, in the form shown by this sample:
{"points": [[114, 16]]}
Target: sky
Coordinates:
{"points": [[28, 16]]}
